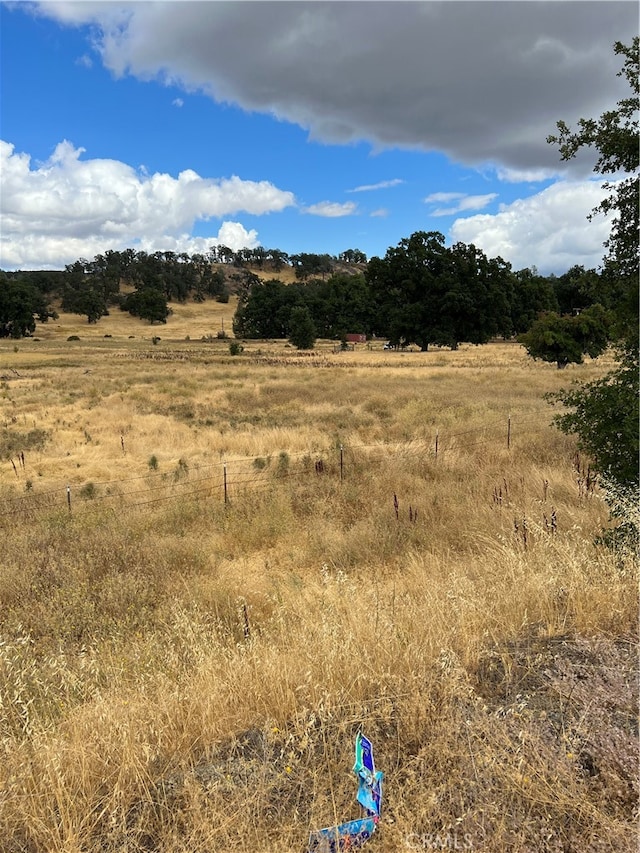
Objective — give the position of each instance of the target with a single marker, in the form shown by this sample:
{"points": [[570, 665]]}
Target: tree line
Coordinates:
{"points": [[150, 281], [421, 292]]}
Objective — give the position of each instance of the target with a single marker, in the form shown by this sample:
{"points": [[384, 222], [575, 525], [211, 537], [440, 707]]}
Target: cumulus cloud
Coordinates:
{"points": [[461, 202], [68, 207], [483, 82], [548, 230], [331, 209]]}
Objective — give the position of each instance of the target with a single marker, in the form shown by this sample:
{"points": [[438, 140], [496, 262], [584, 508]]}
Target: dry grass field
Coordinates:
{"points": [[216, 569]]}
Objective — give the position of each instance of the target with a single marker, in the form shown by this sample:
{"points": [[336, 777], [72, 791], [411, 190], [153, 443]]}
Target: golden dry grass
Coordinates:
{"points": [[182, 673]]}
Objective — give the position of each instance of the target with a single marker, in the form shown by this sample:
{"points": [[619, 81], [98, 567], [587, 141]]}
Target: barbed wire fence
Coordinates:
{"points": [[227, 479]]}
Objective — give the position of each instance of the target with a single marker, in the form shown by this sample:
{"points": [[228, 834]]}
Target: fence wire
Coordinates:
{"points": [[220, 480]]}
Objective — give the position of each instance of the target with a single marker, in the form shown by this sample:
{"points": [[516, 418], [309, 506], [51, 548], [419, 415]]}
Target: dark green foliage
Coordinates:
{"points": [[47, 282], [532, 295], [566, 340], [604, 415], [278, 258], [308, 265], [106, 272], [302, 332], [339, 305], [264, 311], [147, 304], [90, 287], [427, 293], [352, 256], [205, 280], [84, 300], [579, 288], [420, 292], [21, 304], [85, 289]]}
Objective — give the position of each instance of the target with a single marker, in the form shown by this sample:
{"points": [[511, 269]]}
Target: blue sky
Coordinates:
{"points": [[303, 126]]}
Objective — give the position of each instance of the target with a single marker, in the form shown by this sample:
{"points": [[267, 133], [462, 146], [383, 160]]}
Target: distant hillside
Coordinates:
{"points": [[235, 274]]}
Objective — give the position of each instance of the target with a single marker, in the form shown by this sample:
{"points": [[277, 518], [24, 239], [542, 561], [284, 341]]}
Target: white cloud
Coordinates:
{"points": [[529, 176], [484, 82], [462, 202], [231, 234], [36, 251], [68, 207], [331, 209], [442, 197], [381, 212], [234, 235], [548, 230], [382, 185], [177, 102]]}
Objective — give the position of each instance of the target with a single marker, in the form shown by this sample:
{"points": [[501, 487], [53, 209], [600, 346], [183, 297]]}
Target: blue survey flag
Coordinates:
{"points": [[369, 781], [354, 833], [346, 836]]}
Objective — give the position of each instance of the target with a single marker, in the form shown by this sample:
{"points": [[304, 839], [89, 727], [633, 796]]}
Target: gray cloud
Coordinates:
{"points": [[484, 82]]}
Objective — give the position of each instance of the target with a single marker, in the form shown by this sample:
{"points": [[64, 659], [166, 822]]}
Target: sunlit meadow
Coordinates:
{"points": [[216, 569]]}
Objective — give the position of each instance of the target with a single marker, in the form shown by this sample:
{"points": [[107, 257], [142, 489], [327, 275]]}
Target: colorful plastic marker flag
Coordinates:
{"points": [[354, 833]]}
